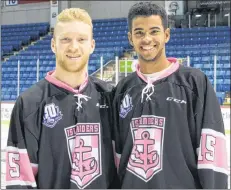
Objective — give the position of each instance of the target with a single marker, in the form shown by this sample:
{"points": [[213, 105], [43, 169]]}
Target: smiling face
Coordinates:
{"points": [[72, 45], [148, 37]]}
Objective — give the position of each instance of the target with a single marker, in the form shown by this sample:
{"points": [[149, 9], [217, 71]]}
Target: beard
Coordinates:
{"points": [[72, 66]]}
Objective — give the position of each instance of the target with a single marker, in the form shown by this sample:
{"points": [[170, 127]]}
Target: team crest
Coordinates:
{"points": [[146, 158], [84, 147], [52, 115], [126, 106]]}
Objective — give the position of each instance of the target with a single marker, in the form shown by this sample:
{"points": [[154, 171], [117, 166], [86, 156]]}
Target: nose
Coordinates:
{"points": [[147, 38], [74, 46]]}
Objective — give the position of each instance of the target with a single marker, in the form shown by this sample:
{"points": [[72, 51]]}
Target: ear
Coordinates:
{"points": [[130, 38], [53, 46], [92, 46], [167, 35]]}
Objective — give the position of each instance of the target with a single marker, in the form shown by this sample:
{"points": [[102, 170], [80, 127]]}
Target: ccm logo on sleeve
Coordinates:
{"points": [[176, 100]]}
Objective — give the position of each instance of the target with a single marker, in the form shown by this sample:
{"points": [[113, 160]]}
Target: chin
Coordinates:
{"points": [[148, 59]]}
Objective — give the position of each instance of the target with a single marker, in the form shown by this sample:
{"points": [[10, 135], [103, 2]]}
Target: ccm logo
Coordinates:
{"points": [[176, 100]]}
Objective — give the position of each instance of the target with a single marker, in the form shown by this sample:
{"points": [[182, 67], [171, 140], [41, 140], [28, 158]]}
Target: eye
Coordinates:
{"points": [[139, 33], [154, 32], [65, 39], [82, 39]]}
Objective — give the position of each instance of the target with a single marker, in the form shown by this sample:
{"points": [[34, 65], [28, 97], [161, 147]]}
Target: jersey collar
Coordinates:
{"points": [[175, 65], [63, 85]]}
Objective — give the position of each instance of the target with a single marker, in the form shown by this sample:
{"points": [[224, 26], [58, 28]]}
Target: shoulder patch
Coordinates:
{"points": [[126, 106], [52, 115]]}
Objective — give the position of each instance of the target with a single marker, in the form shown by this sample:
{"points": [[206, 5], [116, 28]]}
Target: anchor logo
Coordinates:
{"points": [[148, 159], [83, 167], [84, 149]]}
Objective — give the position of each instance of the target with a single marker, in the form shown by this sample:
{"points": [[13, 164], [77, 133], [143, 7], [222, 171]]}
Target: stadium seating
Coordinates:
{"points": [[111, 39], [15, 36], [200, 44]]}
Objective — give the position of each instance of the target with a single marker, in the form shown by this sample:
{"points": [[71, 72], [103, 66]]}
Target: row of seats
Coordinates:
{"points": [[24, 39], [207, 40], [15, 36], [200, 29], [34, 34], [220, 74], [206, 51], [15, 44], [201, 34], [198, 38], [102, 24], [109, 28], [196, 46], [210, 66], [22, 29], [25, 25], [193, 54]]}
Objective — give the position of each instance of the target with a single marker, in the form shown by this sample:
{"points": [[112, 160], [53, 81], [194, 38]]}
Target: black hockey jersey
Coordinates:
{"points": [[60, 137], [169, 133]]}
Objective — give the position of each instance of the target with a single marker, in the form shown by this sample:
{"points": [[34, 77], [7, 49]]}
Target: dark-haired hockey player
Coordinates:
{"points": [[169, 130], [59, 136]]}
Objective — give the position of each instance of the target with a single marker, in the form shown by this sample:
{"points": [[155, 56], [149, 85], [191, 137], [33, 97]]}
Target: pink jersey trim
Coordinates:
{"points": [[212, 152], [61, 84], [168, 71], [19, 170]]}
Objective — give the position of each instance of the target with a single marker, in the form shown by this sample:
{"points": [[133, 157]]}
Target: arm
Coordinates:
{"points": [[21, 153], [212, 153]]}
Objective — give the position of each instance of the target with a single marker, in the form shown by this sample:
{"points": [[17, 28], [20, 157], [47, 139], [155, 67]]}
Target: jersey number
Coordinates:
{"points": [[208, 147], [14, 167]]}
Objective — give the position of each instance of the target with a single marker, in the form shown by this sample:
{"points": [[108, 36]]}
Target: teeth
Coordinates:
{"points": [[73, 57], [147, 47]]}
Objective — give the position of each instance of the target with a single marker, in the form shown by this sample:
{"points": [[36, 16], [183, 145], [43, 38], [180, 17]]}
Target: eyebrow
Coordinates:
{"points": [[155, 27], [68, 36]]}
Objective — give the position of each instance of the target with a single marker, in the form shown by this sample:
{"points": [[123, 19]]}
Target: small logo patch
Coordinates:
{"points": [[126, 106], [52, 115]]}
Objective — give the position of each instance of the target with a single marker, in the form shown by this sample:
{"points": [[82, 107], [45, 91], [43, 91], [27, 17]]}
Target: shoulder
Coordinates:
{"points": [[30, 99], [190, 77], [127, 83], [101, 86]]}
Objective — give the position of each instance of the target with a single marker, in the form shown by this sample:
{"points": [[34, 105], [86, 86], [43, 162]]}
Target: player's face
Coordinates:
{"points": [[73, 45], [148, 37]]}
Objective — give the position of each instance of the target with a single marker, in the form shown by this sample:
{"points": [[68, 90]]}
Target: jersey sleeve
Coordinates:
{"points": [[211, 150], [21, 153]]}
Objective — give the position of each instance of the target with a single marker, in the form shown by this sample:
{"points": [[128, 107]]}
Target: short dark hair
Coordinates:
{"points": [[145, 9]]}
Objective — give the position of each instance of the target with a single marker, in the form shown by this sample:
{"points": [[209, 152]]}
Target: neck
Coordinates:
{"points": [[157, 65], [73, 79]]}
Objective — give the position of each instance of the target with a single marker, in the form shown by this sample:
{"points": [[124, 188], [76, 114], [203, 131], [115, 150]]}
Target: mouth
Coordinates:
{"points": [[76, 57], [147, 48]]}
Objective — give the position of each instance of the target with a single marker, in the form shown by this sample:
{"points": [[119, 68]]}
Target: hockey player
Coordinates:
{"points": [[60, 134], [168, 131]]}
